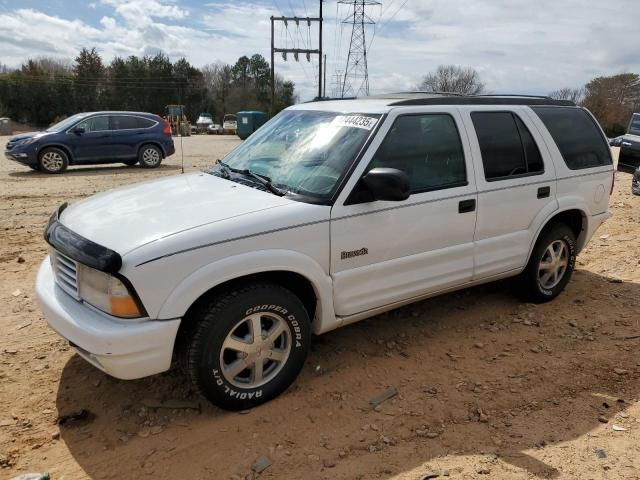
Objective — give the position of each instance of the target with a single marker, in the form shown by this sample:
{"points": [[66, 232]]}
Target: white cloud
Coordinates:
{"points": [[516, 45]]}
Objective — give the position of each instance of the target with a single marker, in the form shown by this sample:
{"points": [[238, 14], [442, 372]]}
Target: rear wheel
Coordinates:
{"points": [[53, 160], [550, 266], [149, 156], [248, 346]]}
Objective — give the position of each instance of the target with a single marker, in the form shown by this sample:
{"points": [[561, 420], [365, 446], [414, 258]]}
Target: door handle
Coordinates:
{"points": [[544, 192], [467, 206]]}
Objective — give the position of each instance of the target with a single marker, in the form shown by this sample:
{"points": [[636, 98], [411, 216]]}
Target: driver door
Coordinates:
{"points": [[95, 143], [387, 252]]}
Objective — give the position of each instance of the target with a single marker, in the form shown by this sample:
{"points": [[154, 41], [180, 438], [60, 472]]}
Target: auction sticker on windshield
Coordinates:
{"points": [[356, 121]]}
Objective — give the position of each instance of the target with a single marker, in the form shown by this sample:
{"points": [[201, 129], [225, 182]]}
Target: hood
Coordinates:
{"points": [[23, 136], [129, 217]]}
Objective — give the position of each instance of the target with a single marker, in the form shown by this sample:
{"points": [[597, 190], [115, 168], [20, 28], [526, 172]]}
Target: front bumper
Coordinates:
{"points": [[122, 349], [24, 157]]}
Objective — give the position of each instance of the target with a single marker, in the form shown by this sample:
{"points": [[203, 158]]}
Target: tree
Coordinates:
{"points": [[89, 78], [217, 78], [575, 95], [453, 79], [45, 89], [241, 71], [613, 99]]}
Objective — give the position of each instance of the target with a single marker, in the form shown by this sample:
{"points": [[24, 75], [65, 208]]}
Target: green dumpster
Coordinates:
{"points": [[249, 122]]}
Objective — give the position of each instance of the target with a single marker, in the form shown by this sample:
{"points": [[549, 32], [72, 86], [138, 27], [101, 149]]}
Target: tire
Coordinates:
{"points": [[222, 339], [130, 163], [538, 284], [52, 160], [149, 156]]}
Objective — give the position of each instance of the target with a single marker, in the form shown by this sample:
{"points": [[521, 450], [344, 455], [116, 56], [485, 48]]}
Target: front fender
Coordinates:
{"points": [[238, 266]]}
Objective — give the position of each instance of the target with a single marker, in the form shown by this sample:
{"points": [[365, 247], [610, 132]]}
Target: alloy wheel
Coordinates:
{"points": [[553, 264], [255, 350], [52, 161], [150, 156]]}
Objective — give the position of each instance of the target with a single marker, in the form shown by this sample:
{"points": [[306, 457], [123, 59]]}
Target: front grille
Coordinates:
{"points": [[66, 273], [10, 146]]}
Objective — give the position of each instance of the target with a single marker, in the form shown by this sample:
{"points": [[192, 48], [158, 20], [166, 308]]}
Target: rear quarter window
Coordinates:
{"points": [[577, 136]]}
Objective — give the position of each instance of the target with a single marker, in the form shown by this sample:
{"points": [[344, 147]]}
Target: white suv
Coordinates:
{"points": [[332, 212]]}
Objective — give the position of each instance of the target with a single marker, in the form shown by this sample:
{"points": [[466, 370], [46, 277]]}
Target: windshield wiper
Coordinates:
{"points": [[262, 179]]}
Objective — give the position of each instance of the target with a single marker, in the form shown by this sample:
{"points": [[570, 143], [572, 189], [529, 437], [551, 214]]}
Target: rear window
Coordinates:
{"points": [[128, 122], [577, 136], [507, 147], [634, 125]]}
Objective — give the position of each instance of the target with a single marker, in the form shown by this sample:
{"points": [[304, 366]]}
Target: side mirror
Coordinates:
{"points": [[389, 184], [79, 130]]}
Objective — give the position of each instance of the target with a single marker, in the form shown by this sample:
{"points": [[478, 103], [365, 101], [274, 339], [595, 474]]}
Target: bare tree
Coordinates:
{"points": [[576, 95], [453, 79], [613, 99], [218, 79]]}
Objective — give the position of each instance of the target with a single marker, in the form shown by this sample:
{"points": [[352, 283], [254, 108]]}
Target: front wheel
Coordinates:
{"points": [[53, 160], [149, 156], [550, 266], [248, 345]]}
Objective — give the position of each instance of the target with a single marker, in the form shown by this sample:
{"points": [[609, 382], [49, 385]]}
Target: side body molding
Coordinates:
{"points": [[237, 266]]}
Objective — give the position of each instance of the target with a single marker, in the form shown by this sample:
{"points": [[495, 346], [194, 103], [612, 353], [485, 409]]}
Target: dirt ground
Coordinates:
{"points": [[487, 387]]}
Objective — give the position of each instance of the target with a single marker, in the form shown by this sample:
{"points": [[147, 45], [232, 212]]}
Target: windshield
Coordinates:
{"points": [[303, 152], [229, 117], [66, 123]]}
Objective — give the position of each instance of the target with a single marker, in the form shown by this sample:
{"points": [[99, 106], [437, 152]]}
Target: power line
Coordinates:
{"points": [[384, 23]]}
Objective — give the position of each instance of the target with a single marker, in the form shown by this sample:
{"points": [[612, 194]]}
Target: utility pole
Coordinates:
{"points": [[320, 55], [337, 84], [324, 78], [296, 51], [357, 69], [273, 72]]}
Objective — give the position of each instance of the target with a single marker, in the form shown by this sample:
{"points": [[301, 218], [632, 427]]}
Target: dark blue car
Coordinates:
{"points": [[95, 137]]}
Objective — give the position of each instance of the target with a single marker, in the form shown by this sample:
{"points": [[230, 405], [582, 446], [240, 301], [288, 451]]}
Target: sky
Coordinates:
{"points": [[517, 46]]}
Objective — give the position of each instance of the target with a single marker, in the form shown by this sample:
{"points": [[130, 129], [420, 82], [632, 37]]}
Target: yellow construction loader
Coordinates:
{"points": [[178, 120]]}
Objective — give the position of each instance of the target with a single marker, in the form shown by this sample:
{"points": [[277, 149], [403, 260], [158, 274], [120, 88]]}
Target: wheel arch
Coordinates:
{"points": [[293, 270], [155, 144], [575, 218], [59, 146]]}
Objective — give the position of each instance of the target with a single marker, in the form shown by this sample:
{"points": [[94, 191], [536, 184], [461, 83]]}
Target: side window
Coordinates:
{"points": [[143, 122], [427, 148], [508, 148], [124, 122], [95, 124], [577, 136]]}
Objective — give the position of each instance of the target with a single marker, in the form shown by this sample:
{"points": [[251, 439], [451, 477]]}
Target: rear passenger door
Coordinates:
{"points": [[128, 134], [516, 186], [386, 252]]}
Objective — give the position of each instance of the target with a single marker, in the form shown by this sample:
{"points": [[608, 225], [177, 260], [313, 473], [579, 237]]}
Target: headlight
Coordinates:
{"points": [[106, 293], [27, 141]]}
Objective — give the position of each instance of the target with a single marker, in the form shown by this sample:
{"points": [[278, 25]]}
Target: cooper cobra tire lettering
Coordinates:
{"points": [[207, 358]]}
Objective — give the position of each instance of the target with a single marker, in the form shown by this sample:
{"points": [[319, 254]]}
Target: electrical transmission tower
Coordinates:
{"points": [[356, 75]]}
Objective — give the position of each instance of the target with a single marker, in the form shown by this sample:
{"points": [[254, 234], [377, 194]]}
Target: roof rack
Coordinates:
{"points": [[529, 100], [512, 95]]}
